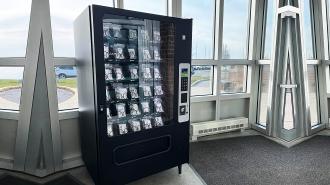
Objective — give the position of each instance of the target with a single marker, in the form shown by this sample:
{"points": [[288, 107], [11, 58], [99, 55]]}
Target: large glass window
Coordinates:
{"points": [[235, 29], [14, 25], [10, 87], [308, 30], [63, 13], [154, 6], [263, 95], [233, 79], [202, 13], [67, 94], [313, 97], [269, 29], [201, 80]]}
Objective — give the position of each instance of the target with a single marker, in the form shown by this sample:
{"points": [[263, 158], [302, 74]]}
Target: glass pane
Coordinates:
{"points": [[14, 25], [313, 98], [308, 27], [269, 29], [263, 94], [139, 74], [202, 13], [154, 6], [201, 80], [288, 123], [10, 87], [63, 13], [67, 94], [233, 78], [235, 29]]}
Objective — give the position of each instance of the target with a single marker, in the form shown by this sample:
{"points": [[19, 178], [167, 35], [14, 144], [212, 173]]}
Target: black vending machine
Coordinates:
{"points": [[134, 92]]}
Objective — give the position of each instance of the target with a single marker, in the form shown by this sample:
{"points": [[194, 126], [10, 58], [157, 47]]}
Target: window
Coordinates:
{"points": [[154, 6], [308, 30], [313, 91], [263, 95], [14, 25], [233, 79], [63, 13], [10, 87], [269, 29], [235, 29], [201, 80], [202, 13], [67, 94]]}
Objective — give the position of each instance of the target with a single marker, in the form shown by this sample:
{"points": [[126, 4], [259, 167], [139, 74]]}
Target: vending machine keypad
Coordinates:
{"points": [[184, 92]]}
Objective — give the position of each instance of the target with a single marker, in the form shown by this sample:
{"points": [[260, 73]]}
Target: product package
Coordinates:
{"points": [[146, 54], [145, 107], [108, 113], [158, 105], [107, 93], [106, 50], [132, 34], [133, 70], [158, 121], [135, 125], [121, 110], [131, 52], [121, 93], [134, 109], [146, 122], [119, 51], [145, 35], [158, 90], [147, 91], [156, 36], [122, 129], [157, 74], [133, 92], [119, 73], [109, 130], [116, 31], [156, 54], [146, 71], [106, 31], [108, 72]]}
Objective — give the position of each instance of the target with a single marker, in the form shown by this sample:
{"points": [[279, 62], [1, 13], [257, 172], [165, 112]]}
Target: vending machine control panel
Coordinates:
{"points": [[184, 92]]}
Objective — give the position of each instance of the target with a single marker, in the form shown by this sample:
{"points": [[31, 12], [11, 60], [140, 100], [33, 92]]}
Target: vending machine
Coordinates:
{"points": [[134, 92]]}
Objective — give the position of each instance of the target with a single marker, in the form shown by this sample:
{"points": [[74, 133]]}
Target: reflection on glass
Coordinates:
{"points": [[263, 95], [233, 78], [10, 87], [313, 98], [201, 80], [67, 94], [288, 123], [14, 25], [202, 40], [235, 29], [269, 30], [154, 6], [308, 27], [288, 120], [63, 13]]}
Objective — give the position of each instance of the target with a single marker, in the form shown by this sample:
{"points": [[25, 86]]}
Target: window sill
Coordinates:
{"points": [[234, 96], [68, 114], [63, 115], [9, 114]]}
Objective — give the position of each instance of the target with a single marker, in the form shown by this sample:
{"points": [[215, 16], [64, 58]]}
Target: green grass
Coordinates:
{"points": [[69, 82], [10, 83]]}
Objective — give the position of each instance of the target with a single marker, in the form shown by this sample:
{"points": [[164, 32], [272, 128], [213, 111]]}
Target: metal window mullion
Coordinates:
{"points": [[63, 61], [218, 56], [12, 61], [119, 4]]}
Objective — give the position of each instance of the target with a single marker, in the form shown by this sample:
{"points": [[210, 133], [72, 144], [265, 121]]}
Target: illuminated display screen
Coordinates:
{"points": [[184, 72]]}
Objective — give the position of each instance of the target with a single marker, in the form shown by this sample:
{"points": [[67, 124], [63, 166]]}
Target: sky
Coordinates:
{"points": [[14, 21]]}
